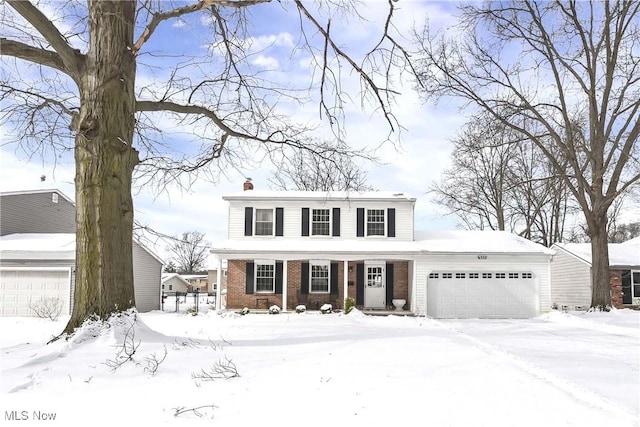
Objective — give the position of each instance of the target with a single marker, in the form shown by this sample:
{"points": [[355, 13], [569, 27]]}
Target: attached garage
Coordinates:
{"points": [[482, 294], [20, 288], [481, 274]]}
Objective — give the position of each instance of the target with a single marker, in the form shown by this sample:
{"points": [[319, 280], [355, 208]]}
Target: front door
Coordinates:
{"points": [[374, 290]]}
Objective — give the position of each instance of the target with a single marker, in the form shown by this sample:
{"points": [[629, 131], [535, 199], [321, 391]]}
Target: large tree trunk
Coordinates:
{"points": [[600, 278], [105, 160]]}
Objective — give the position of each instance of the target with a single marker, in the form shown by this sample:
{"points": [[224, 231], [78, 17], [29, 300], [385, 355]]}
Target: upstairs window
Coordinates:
{"points": [[320, 222], [264, 222], [375, 222]]}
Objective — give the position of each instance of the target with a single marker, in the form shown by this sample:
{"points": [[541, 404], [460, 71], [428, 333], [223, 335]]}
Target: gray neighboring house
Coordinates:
{"points": [[571, 274], [37, 254]]}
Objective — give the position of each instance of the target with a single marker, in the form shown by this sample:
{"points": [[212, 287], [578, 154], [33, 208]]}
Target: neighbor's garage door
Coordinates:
{"points": [[19, 288], [488, 295]]}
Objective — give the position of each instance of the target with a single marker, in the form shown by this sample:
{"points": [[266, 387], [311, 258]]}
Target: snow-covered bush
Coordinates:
{"points": [[192, 311], [349, 303], [274, 309], [326, 308], [301, 308], [244, 311]]}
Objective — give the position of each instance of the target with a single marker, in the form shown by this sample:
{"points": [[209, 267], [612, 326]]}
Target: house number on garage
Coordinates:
{"points": [[482, 257]]}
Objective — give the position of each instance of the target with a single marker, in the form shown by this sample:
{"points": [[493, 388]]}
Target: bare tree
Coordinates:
{"points": [[475, 187], [70, 82], [330, 170], [570, 70], [189, 252]]}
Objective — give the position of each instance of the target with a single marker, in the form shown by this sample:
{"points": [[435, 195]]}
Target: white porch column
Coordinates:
{"points": [[345, 281], [284, 285], [219, 285]]}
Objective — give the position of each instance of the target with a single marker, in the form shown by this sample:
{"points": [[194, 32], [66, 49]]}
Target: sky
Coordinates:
{"points": [[409, 164], [420, 150]]}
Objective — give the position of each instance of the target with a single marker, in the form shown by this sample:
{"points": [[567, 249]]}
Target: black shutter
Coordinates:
{"points": [[279, 221], [391, 222], [305, 221], [336, 222], [278, 277], [249, 279], [333, 285], [360, 284], [360, 225], [248, 221], [304, 278], [389, 282]]}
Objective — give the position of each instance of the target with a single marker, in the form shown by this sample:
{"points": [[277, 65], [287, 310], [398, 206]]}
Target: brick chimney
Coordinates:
{"points": [[247, 185]]}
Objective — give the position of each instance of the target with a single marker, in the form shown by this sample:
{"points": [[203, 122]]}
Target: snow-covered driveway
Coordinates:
{"points": [[318, 370], [591, 360]]}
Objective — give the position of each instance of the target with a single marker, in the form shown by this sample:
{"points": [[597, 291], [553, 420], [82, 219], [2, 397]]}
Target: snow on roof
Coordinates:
{"points": [[38, 246], [432, 242], [46, 246], [472, 241], [620, 254], [318, 195], [38, 241], [168, 276]]}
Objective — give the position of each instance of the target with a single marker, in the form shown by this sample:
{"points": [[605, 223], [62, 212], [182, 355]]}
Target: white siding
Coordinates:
{"points": [[538, 265], [348, 218], [570, 281], [147, 272]]}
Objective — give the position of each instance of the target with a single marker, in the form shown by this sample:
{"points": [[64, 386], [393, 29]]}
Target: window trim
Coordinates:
{"points": [[255, 222], [384, 222], [311, 222], [320, 263], [634, 284], [256, 264]]}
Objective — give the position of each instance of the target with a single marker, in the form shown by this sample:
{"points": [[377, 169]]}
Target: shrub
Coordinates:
{"points": [[326, 308], [349, 303], [192, 311], [274, 309], [47, 308], [301, 309]]}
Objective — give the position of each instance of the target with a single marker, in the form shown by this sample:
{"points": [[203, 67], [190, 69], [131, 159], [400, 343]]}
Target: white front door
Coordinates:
{"points": [[374, 286]]}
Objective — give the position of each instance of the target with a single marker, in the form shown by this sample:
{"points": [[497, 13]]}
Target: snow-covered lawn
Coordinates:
{"points": [[311, 369]]}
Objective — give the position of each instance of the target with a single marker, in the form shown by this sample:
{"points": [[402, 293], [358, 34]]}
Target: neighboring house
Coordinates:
{"points": [[571, 274], [197, 282], [37, 254], [174, 282], [295, 247], [213, 279]]}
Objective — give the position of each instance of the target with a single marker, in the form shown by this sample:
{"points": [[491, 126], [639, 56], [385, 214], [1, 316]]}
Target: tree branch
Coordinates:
{"points": [[71, 58], [32, 54], [185, 10]]}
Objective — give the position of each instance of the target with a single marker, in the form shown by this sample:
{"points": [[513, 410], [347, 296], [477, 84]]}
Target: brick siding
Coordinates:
{"points": [[237, 298], [616, 288]]}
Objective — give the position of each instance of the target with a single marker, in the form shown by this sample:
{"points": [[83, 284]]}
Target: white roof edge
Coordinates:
{"points": [[25, 192], [568, 252], [149, 251], [320, 195]]}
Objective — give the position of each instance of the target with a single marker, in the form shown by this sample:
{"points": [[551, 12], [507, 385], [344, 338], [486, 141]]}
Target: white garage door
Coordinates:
{"points": [[21, 288], [485, 295]]}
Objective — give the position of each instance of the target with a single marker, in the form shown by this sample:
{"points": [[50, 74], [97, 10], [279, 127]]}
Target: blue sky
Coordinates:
{"points": [[409, 166]]}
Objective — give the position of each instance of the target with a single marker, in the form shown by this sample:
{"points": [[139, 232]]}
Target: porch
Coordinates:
{"points": [[374, 285]]}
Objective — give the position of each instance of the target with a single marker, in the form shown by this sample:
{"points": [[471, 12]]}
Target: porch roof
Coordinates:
{"points": [[346, 249], [441, 242]]}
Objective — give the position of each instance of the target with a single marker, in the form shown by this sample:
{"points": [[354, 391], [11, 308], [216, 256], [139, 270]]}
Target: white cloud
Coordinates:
{"points": [[266, 62]]}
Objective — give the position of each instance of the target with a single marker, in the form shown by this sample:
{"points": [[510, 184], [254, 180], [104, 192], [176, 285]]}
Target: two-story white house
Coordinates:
{"points": [[295, 247]]}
